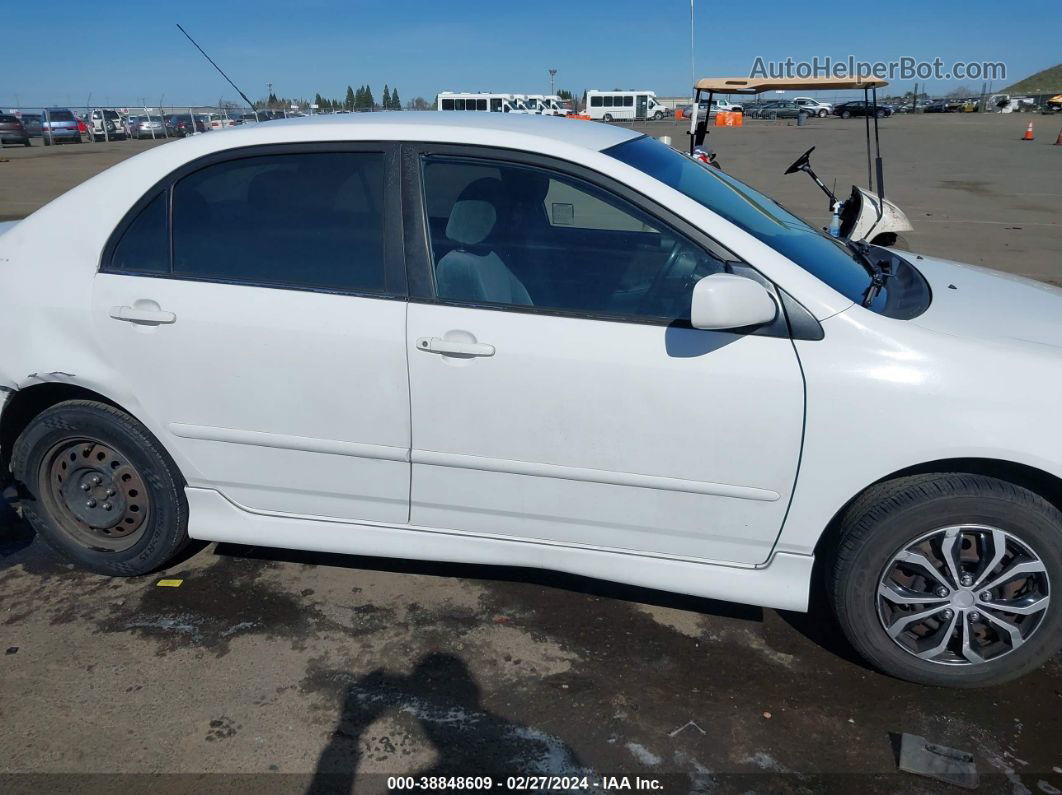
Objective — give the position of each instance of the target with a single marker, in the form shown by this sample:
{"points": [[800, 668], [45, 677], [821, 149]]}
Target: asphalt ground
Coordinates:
{"points": [[284, 671]]}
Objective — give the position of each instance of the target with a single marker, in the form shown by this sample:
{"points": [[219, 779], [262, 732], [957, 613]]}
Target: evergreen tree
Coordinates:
{"points": [[370, 102], [386, 101], [396, 103], [349, 103]]}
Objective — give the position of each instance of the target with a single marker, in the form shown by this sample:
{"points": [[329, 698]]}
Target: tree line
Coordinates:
{"points": [[360, 98]]}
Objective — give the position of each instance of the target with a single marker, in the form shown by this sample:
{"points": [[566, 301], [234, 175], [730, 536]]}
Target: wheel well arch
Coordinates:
{"points": [[25, 404], [1035, 480]]}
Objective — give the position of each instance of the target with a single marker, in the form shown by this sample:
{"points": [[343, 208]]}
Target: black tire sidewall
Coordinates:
{"points": [[855, 592], [166, 530]]}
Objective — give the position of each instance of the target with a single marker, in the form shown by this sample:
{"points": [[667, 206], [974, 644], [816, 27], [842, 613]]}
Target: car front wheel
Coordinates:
{"points": [[845, 114], [945, 579], [822, 113], [100, 489]]}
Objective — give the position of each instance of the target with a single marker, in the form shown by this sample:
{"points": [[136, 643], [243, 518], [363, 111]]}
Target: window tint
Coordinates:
{"points": [[608, 101], [495, 105], [300, 220], [595, 102], [522, 236], [145, 245], [447, 104], [481, 104], [5, 119], [628, 102], [60, 115]]}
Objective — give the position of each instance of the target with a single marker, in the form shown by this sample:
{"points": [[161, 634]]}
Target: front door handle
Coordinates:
{"points": [[454, 347], [150, 317]]}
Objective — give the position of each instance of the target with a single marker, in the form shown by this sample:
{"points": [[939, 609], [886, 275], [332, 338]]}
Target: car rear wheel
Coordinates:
{"points": [[100, 489], [945, 579], [879, 114], [607, 117], [846, 114]]}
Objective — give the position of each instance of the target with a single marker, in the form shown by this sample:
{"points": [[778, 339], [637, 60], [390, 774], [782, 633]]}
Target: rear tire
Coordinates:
{"points": [[607, 117], [846, 114], [878, 533], [100, 489]]}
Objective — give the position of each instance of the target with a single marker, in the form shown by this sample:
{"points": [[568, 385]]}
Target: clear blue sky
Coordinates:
{"points": [[122, 52]]}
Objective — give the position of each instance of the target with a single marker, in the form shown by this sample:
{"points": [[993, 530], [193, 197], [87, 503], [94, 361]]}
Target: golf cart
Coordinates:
{"points": [[864, 214]]}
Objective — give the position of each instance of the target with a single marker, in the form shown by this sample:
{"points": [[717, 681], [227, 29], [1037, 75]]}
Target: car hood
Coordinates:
{"points": [[6, 226], [971, 301]]}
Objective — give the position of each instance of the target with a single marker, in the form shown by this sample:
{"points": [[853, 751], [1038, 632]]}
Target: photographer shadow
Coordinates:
{"points": [[444, 699]]}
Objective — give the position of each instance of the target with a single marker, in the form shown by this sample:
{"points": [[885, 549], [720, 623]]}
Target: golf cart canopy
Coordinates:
{"points": [[758, 85]]}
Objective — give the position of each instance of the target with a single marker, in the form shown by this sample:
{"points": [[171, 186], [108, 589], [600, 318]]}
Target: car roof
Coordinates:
{"points": [[424, 126]]}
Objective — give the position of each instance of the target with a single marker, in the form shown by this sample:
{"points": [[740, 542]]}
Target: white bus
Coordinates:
{"points": [[609, 105], [484, 102], [546, 105]]}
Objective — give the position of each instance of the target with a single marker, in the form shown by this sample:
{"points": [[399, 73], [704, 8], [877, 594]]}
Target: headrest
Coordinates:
{"points": [[475, 212]]}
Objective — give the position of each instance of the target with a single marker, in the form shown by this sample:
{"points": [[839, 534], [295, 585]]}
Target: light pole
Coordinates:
{"points": [[552, 74]]}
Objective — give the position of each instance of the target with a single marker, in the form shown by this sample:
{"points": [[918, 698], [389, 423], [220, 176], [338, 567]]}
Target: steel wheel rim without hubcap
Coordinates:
{"points": [[963, 595], [95, 494]]}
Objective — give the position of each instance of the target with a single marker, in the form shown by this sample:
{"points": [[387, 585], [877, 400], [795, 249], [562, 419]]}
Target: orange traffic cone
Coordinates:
{"points": [[1058, 142], [1028, 134]]}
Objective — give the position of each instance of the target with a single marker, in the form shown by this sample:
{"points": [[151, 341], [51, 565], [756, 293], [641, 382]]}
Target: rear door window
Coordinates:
{"points": [[311, 220]]}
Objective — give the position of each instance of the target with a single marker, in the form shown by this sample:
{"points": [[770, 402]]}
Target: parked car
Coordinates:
{"points": [[934, 106], [814, 106], [179, 125], [859, 107], [149, 126], [32, 124], [12, 131], [106, 125], [60, 125], [709, 434], [776, 109]]}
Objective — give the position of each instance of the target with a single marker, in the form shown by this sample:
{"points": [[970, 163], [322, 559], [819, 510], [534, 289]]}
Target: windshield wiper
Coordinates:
{"points": [[878, 274]]}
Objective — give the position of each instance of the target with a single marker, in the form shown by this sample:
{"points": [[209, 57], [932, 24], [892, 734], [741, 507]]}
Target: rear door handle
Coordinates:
{"points": [[151, 317], [453, 347]]}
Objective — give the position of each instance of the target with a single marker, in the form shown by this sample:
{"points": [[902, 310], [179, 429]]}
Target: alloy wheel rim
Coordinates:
{"points": [[963, 595], [95, 494]]}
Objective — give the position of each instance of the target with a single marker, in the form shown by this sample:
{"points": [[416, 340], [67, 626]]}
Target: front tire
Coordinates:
{"points": [[846, 114], [944, 579], [100, 489], [822, 113]]}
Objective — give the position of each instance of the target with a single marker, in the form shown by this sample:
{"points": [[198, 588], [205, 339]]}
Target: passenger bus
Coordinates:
{"points": [[491, 103], [610, 105]]}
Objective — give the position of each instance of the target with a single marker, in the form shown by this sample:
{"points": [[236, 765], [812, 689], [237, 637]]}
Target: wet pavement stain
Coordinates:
{"points": [[224, 601]]}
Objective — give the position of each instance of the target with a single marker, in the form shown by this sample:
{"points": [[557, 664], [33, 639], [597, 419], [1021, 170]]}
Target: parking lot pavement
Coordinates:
{"points": [[317, 671]]}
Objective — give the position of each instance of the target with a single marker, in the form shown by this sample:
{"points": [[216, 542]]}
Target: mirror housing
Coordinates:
{"points": [[725, 301]]}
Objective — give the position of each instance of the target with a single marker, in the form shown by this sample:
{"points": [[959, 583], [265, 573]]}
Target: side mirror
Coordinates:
{"points": [[724, 301]]}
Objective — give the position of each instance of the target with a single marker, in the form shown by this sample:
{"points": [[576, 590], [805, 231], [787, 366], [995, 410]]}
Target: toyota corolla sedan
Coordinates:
{"points": [[536, 342]]}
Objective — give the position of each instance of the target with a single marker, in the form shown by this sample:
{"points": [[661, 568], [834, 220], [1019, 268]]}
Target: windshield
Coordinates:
{"points": [[824, 257]]}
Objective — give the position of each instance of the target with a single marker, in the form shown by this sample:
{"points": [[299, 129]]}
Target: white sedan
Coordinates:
{"points": [[536, 342]]}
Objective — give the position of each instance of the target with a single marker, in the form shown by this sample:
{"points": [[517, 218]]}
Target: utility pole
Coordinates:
{"points": [[552, 75], [269, 93]]}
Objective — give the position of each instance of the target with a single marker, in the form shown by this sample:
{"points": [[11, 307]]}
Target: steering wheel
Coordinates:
{"points": [[655, 295], [800, 162]]}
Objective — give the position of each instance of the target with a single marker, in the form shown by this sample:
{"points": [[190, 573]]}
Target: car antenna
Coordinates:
{"points": [[249, 103]]}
